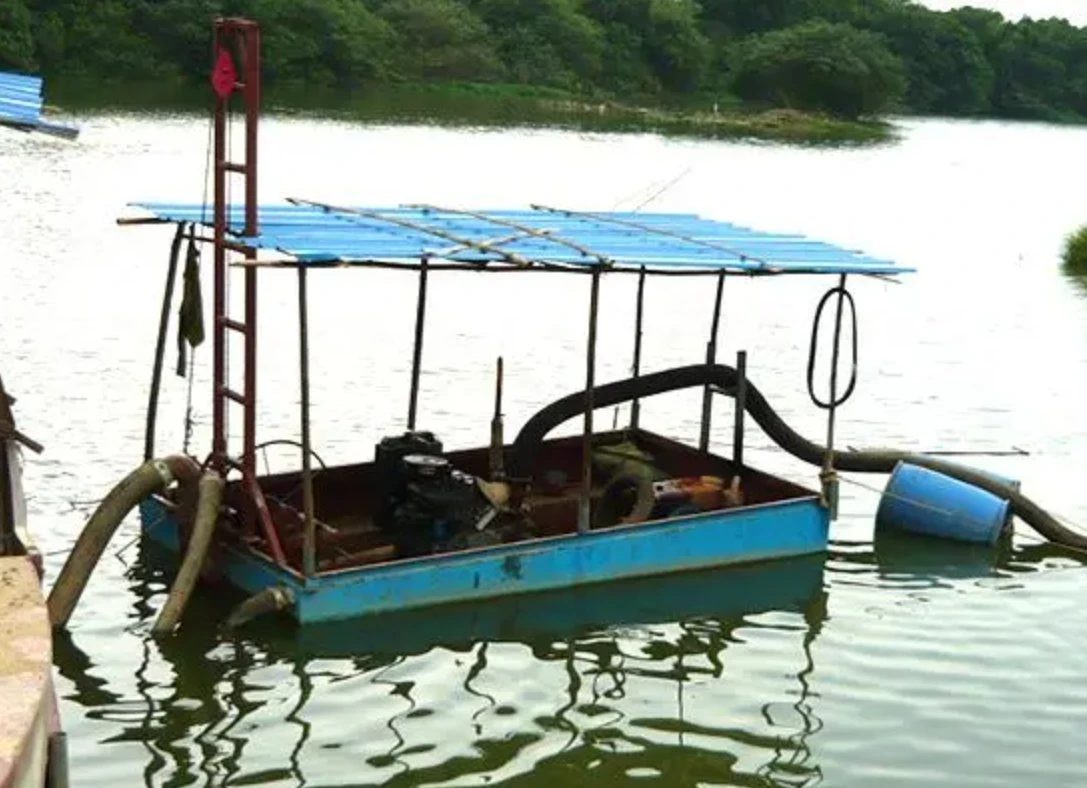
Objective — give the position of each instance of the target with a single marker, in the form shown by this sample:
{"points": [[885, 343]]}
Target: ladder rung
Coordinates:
{"points": [[231, 394], [234, 324], [231, 166]]}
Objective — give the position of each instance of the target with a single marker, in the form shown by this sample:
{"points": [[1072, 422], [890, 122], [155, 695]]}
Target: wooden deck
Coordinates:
{"points": [[28, 712]]}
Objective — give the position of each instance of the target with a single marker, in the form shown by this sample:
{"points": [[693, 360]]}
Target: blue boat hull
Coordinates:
{"points": [[718, 538]]}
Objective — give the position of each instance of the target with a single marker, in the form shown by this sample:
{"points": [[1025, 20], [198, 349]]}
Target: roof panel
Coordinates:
{"points": [[316, 233], [21, 106]]}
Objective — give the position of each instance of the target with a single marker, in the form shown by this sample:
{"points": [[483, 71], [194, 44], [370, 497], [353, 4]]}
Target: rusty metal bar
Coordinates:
{"points": [[130, 221], [828, 476], [218, 408], [309, 543], [231, 394], [711, 359], [9, 540], [160, 345], [534, 232], [636, 405], [509, 257], [605, 219], [417, 352], [741, 407], [252, 92], [234, 325], [585, 510]]}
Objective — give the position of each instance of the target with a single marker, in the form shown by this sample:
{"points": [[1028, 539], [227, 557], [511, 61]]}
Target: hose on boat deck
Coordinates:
{"points": [[270, 600], [528, 440], [207, 516], [152, 477]]}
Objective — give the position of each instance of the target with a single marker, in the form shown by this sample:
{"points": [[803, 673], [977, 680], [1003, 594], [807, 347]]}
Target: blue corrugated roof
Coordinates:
{"points": [[316, 234], [21, 105]]}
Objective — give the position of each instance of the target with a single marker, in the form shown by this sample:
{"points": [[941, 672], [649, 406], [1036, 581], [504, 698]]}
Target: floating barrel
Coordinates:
{"points": [[923, 501]]}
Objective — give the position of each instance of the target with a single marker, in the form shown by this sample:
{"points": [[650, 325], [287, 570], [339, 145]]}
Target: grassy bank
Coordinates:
{"points": [[490, 105]]}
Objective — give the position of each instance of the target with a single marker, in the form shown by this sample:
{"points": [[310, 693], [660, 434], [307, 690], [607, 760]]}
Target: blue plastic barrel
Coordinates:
{"points": [[923, 501]]}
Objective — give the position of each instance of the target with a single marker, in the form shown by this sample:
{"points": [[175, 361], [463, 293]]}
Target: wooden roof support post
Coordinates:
{"points": [[417, 351], [636, 405], [585, 510], [711, 359], [309, 544], [829, 476]]}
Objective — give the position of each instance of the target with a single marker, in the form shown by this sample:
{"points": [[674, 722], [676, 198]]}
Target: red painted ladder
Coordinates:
{"points": [[238, 38]]}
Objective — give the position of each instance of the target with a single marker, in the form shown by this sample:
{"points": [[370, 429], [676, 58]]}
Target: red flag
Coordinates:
{"points": [[223, 76]]}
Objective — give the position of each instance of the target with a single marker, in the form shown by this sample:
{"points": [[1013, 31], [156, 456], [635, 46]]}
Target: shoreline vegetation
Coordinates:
{"points": [[496, 106], [797, 71]]}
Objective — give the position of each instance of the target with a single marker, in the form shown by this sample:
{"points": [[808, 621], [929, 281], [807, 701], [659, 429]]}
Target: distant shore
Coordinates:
{"points": [[488, 105]]}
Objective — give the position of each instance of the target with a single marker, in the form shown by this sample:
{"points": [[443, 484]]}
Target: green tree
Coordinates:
{"points": [[545, 42], [440, 39], [946, 67], [16, 40], [322, 43], [674, 45], [659, 39], [819, 66]]}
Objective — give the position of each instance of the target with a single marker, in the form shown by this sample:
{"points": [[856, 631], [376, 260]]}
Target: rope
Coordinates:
{"points": [[188, 403]]}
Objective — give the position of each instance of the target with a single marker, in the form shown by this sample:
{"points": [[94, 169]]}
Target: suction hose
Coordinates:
{"points": [[152, 477], [207, 515], [876, 461]]}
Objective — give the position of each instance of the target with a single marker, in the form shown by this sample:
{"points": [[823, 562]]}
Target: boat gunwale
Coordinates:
{"points": [[551, 540]]}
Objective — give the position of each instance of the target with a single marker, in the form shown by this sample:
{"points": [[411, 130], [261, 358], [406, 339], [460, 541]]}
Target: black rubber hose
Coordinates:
{"points": [[528, 440]]}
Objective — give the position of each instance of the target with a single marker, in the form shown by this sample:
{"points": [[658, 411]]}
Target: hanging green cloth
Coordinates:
{"points": [[190, 317]]}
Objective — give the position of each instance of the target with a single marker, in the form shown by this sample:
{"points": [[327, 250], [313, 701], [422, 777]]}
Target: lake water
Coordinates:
{"points": [[899, 663]]}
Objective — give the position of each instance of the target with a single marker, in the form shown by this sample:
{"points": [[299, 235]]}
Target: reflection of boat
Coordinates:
{"points": [[599, 647], [32, 747], [793, 584], [21, 106]]}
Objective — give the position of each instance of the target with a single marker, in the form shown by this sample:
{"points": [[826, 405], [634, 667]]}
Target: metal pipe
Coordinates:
{"points": [[250, 43], [309, 544], [160, 346], [711, 359], [9, 540], [829, 477], [585, 511], [835, 351], [57, 773], [218, 408], [636, 405], [417, 353], [252, 117], [741, 406]]}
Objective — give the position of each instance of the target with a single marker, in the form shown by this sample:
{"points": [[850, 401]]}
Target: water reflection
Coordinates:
{"points": [[619, 688], [1079, 282]]}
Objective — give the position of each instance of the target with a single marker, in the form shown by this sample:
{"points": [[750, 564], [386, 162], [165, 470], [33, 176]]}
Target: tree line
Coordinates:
{"points": [[849, 58]]}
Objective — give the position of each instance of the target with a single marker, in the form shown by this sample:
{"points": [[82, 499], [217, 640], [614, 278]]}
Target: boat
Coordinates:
{"points": [[33, 745], [22, 105], [33, 748], [420, 524]]}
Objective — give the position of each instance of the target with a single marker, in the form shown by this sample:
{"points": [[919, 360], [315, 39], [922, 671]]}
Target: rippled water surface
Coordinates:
{"points": [[887, 662]]}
